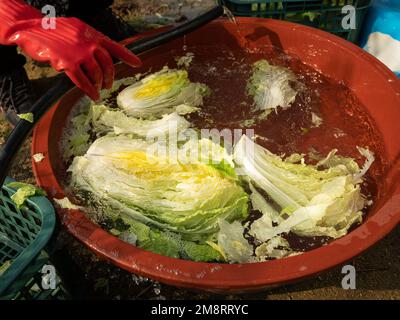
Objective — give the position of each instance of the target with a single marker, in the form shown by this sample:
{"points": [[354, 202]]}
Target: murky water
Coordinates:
{"points": [[345, 125]]}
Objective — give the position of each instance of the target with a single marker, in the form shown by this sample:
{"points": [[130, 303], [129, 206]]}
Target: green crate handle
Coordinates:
{"points": [[28, 254]]}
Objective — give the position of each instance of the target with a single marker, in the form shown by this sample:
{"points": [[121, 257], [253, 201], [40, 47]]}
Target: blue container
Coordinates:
{"points": [[381, 35]]}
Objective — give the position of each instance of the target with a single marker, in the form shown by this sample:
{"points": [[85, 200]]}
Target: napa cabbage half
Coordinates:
{"points": [[163, 92], [312, 200], [120, 176]]}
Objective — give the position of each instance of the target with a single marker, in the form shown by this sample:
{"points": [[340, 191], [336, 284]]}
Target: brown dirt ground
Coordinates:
{"points": [[378, 269]]}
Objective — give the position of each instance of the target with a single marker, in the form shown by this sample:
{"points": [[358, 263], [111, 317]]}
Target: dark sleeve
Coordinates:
{"points": [[10, 58], [72, 8], [61, 6]]}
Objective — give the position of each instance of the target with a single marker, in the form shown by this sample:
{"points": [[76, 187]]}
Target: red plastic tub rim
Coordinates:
{"points": [[252, 276]]}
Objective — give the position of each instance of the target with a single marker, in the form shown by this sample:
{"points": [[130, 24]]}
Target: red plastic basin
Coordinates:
{"points": [[376, 87]]}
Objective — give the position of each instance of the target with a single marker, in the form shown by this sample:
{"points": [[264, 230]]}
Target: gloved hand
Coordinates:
{"points": [[73, 46]]}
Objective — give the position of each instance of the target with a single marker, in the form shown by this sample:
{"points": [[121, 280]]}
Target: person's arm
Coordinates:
{"points": [[73, 46]]}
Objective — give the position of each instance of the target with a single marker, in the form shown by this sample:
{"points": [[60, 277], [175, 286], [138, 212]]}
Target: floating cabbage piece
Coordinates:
{"points": [[262, 228], [276, 248], [107, 93], [296, 158], [270, 86], [185, 60], [105, 120], [78, 139], [259, 203], [316, 120], [313, 201], [233, 243], [24, 192], [118, 172], [163, 92], [370, 159], [332, 160]]}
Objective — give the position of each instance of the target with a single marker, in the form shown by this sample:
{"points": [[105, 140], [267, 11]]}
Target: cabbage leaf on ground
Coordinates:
{"points": [[24, 191]]}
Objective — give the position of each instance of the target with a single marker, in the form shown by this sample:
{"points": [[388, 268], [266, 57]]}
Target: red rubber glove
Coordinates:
{"points": [[73, 46]]}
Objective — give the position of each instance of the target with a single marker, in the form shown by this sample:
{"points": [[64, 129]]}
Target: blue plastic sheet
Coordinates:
{"points": [[381, 35]]}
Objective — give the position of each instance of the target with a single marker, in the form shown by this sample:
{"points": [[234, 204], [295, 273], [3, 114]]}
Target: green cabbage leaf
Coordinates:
{"points": [[24, 191]]}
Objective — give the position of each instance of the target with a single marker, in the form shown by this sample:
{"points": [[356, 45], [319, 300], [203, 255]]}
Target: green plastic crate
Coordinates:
{"points": [[24, 232], [323, 14]]}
